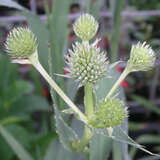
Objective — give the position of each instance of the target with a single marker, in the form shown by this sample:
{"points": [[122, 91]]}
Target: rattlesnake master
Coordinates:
{"points": [[21, 43], [142, 58], [110, 113], [85, 27], [86, 63]]}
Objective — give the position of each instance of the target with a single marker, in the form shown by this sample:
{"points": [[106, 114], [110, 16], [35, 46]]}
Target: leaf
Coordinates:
{"points": [[151, 139], [18, 89], [117, 9], [106, 84], [117, 151], [66, 133], [15, 145], [20, 134], [146, 103], [71, 88], [100, 147], [12, 4], [10, 120], [29, 104], [57, 152], [58, 29], [120, 136], [6, 151], [44, 141]]}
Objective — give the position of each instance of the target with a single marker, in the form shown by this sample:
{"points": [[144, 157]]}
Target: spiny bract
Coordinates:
{"points": [[142, 57], [86, 64], [110, 113], [21, 43], [85, 27]]}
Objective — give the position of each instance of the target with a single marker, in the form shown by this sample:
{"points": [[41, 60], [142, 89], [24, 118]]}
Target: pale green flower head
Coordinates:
{"points": [[21, 43], [110, 113], [86, 63], [85, 27], [142, 58]]}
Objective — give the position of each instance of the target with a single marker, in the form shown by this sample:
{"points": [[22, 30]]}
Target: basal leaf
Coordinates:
{"points": [[15, 145]]}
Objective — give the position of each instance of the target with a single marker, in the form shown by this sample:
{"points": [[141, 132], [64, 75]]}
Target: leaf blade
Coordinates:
{"points": [[16, 146]]}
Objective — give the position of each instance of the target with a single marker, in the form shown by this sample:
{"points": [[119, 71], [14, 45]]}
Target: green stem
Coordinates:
{"points": [[35, 62], [116, 85], [89, 110], [87, 135], [88, 100]]}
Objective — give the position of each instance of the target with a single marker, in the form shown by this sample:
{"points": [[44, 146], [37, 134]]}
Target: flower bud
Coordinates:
{"points": [[110, 113], [86, 63], [142, 58], [21, 43], [85, 27]]}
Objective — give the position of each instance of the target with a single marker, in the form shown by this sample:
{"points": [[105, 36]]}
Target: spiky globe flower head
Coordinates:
{"points": [[142, 57], [85, 27], [110, 113], [21, 43], [86, 63]]}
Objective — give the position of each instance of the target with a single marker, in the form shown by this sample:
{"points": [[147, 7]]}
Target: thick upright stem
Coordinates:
{"points": [[89, 110], [116, 85], [59, 91], [88, 100]]}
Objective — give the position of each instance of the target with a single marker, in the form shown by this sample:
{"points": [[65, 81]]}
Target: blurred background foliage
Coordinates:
{"points": [[27, 121]]}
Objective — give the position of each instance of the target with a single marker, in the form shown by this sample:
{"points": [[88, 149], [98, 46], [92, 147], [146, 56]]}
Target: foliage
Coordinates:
{"points": [[143, 4]]}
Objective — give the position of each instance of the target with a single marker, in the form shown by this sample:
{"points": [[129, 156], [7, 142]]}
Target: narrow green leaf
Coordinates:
{"points": [[145, 139], [117, 8], [146, 103], [32, 102], [10, 120], [15, 145]]}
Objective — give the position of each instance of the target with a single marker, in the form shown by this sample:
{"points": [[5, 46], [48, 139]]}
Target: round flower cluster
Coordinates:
{"points": [[85, 27], [110, 113], [21, 43], [142, 58], [86, 63]]}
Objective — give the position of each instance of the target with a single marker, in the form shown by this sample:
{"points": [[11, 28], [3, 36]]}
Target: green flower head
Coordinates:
{"points": [[110, 113], [142, 58], [86, 63], [21, 43], [85, 27]]}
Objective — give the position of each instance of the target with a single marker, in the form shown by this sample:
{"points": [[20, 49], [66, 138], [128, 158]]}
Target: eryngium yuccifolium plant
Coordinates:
{"points": [[21, 43], [85, 27], [142, 58], [86, 63], [110, 113]]}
